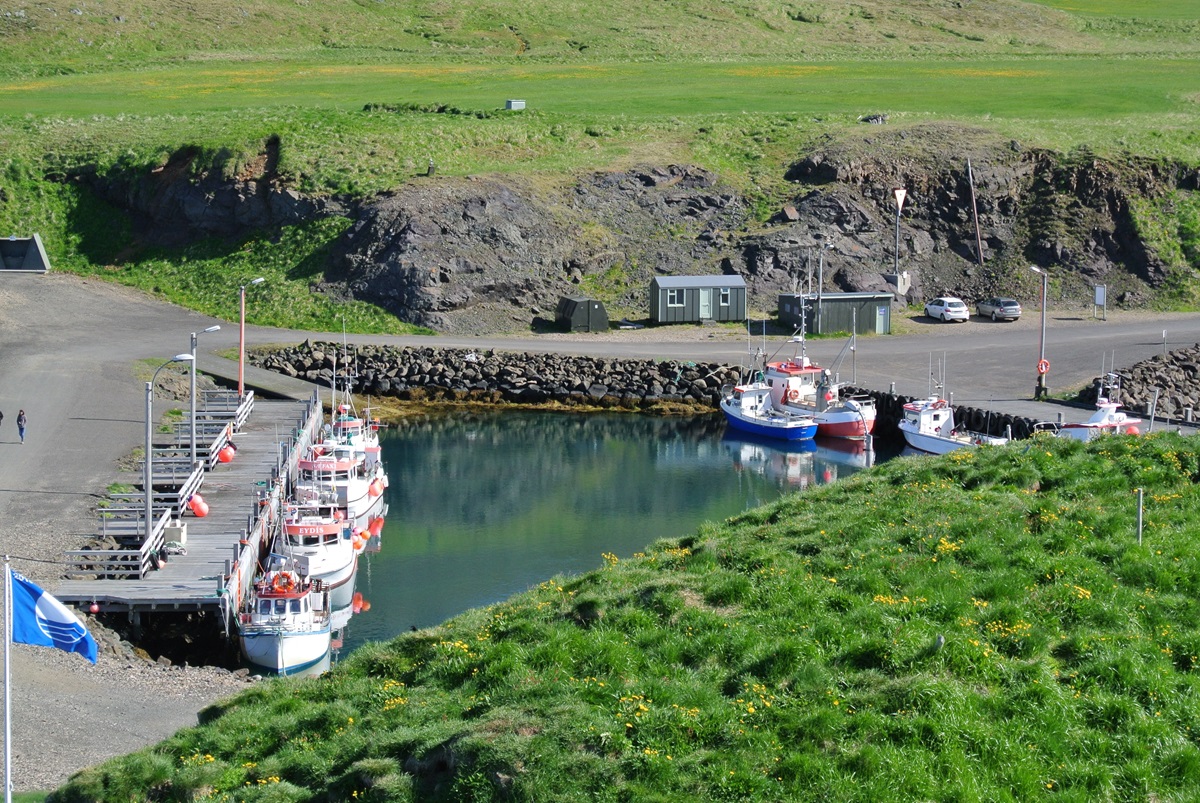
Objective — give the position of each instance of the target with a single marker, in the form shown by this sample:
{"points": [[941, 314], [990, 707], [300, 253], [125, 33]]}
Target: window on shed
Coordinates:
{"points": [[724, 296], [675, 297]]}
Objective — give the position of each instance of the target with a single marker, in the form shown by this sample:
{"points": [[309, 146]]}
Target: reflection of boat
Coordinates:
{"points": [[928, 425], [285, 627], [801, 386], [748, 407], [796, 464], [1107, 420]]}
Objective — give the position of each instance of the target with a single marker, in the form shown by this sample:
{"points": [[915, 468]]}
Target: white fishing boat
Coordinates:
{"points": [[336, 473], [285, 627], [928, 425], [1108, 419], [320, 534]]}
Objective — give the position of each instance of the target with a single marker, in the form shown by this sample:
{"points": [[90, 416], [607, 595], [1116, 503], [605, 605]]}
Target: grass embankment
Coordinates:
{"points": [[984, 626]]}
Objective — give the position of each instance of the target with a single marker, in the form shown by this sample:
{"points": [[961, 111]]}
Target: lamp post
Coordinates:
{"points": [[821, 284], [1043, 366], [242, 334], [147, 464], [192, 371], [899, 193]]}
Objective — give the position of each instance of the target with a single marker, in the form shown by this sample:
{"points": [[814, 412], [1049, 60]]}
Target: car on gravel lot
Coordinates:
{"points": [[1007, 309], [948, 308]]}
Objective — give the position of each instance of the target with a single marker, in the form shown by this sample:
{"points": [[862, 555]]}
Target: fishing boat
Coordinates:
{"points": [[748, 407], [928, 425], [319, 533], [801, 386], [1108, 418], [337, 473], [285, 626]]}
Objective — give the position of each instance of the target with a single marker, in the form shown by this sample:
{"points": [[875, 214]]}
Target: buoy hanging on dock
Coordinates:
{"points": [[197, 505], [225, 455]]}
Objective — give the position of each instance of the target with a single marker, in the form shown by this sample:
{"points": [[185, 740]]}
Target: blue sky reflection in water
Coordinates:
{"points": [[483, 506]]}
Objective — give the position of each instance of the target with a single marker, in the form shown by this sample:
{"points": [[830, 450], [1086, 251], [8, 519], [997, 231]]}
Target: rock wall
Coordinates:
{"points": [[477, 255], [422, 374], [1175, 376]]}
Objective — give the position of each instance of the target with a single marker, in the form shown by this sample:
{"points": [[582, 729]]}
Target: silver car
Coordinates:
{"points": [[948, 308], [997, 309]]}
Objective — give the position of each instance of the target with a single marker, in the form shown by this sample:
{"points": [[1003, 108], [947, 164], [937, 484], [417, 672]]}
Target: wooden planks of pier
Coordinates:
{"points": [[222, 548]]}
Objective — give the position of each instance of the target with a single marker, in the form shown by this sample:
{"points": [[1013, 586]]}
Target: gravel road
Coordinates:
{"points": [[71, 355]]}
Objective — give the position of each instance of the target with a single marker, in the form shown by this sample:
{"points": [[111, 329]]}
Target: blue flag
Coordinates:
{"points": [[38, 618]]}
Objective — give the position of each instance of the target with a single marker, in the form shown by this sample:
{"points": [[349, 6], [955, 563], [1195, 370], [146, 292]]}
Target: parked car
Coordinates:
{"points": [[948, 308], [999, 308]]}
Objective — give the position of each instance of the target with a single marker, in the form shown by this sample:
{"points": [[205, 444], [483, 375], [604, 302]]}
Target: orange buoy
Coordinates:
{"points": [[226, 453], [376, 487], [366, 605], [198, 506], [376, 526]]}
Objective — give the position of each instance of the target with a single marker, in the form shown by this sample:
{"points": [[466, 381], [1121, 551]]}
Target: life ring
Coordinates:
{"points": [[793, 395], [939, 404], [1043, 367], [283, 583]]}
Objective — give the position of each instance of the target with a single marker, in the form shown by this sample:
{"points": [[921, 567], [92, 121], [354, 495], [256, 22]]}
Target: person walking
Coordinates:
{"points": [[21, 421]]}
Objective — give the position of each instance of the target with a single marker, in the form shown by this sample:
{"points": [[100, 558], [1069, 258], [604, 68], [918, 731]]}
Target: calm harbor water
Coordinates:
{"points": [[482, 506]]}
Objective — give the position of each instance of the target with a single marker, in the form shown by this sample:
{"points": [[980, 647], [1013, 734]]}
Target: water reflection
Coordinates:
{"points": [[486, 505]]}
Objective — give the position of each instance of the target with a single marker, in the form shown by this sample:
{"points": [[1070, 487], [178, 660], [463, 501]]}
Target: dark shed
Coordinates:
{"points": [[691, 299], [581, 315], [857, 313]]}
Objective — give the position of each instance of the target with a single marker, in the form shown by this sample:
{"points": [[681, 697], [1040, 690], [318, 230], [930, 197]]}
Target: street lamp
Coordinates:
{"points": [[147, 465], [192, 371], [899, 192], [1043, 366], [242, 334], [821, 284]]}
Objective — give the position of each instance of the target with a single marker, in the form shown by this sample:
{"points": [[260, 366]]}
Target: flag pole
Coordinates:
{"points": [[7, 679]]}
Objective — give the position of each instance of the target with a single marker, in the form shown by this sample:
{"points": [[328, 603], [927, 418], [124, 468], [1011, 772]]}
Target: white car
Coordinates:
{"points": [[948, 308]]}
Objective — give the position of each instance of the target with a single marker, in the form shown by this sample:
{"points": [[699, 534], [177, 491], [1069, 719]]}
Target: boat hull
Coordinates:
{"points": [[283, 651], [765, 428], [844, 424], [933, 444]]}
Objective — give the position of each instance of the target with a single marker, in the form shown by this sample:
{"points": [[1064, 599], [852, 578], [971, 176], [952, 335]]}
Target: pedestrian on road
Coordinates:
{"points": [[21, 424]]}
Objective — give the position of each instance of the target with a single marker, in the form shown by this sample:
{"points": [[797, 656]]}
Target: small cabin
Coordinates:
{"points": [[26, 254], [581, 315], [693, 299], [856, 313]]}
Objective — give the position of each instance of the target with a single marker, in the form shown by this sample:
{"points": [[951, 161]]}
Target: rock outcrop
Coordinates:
{"points": [[493, 254]]}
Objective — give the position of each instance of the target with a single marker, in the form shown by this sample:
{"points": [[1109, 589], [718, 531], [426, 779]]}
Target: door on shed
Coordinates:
{"points": [[705, 303]]}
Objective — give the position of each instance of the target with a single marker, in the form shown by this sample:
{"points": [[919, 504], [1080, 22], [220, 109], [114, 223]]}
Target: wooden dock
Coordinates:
{"points": [[244, 499]]}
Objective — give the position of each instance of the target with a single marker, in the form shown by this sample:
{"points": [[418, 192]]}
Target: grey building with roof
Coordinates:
{"points": [[692, 299]]}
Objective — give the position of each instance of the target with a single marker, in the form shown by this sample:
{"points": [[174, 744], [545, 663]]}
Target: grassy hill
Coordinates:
{"points": [[985, 626], [56, 35]]}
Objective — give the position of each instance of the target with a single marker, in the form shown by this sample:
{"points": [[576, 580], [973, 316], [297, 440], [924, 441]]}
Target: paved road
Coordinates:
{"points": [[69, 355]]}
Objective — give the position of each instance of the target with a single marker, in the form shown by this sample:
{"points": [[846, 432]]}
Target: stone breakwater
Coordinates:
{"points": [[490, 377], [417, 374]]}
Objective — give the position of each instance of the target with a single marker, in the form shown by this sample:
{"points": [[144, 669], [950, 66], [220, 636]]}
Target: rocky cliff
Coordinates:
{"points": [[489, 254]]}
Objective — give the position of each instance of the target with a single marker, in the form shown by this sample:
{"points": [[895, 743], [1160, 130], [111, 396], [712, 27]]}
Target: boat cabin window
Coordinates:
{"points": [[295, 605], [264, 607], [281, 606]]}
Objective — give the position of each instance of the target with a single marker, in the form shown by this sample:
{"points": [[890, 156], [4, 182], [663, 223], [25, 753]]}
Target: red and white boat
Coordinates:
{"points": [[801, 386], [319, 534], [333, 473], [285, 626]]}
